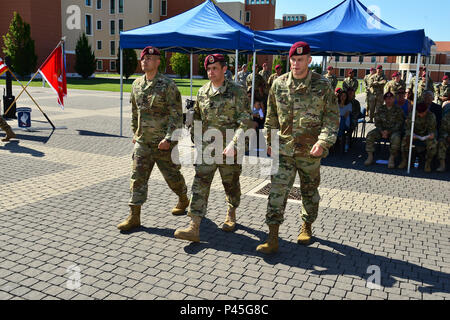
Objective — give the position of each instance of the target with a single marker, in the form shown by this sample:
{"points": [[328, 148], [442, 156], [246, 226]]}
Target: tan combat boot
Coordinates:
{"points": [[305, 233], [427, 167], [441, 166], [9, 134], [369, 160], [133, 220], [404, 162], [180, 208], [230, 222], [192, 233], [391, 162], [271, 246]]}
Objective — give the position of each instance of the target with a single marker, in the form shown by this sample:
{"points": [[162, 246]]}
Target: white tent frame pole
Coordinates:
{"points": [[191, 70], [121, 89], [253, 79], [416, 86], [236, 65]]}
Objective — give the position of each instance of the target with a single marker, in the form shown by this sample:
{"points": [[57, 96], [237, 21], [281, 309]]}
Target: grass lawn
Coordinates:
{"points": [[113, 84]]}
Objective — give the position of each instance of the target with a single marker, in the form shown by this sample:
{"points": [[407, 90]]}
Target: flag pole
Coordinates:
{"points": [[51, 123]]}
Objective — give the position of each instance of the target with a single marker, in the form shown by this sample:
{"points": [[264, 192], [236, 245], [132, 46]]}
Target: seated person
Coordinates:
{"points": [[356, 109], [345, 110], [403, 103], [428, 97], [388, 124], [444, 141], [424, 127]]}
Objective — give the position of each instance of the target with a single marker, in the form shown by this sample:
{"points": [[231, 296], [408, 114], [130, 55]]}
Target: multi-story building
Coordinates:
{"points": [[293, 19]]}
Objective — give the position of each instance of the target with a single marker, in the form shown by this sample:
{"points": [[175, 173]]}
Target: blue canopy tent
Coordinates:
{"points": [[203, 29], [349, 29]]}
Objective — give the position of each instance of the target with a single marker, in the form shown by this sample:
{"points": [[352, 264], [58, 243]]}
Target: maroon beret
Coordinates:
{"points": [[422, 107], [350, 72], [372, 69], [395, 74], [213, 58], [338, 90], [151, 51], [445, 78], [278, 66], [299, 48], [380, 67], [330, 68]]}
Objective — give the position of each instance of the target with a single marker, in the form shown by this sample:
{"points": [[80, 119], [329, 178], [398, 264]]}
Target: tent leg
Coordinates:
{"points": [[121, 89], [191, 71], [416, 86], [253, 89], [236, 65]]}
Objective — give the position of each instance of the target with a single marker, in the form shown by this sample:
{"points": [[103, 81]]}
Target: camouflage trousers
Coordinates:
{"points": [[281, 185], [204, 175], [395, 140], [371, 103], [144, 158], [3, 124], [443, 146], [430, 146]]}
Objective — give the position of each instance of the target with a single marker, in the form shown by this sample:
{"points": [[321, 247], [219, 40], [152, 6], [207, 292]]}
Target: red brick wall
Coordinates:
{"points": [[262, 16], [179, 6]]}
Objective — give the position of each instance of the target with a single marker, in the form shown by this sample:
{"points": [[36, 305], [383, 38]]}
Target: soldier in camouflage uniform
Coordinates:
{"points": [[350, 82], [444, 141], [303, 110], [424, 86], [221, 105], [274, 76], [265, 72], [242, 76], [395, 84], [5, 127], [156, 113], [424, 125], [260, 83], [370, 98], [444, 91], [388, 125], [376, 88], [331, 77]]}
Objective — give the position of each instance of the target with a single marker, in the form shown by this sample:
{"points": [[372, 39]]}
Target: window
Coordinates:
{"points": [[120, 6], [112, 65], [99, 44], [99, 65], [112, 6], [240, 15], [385, 60], [88, 24], [149, 21], [341, 72], [99, 4], [150, 6], [112, 50], [247, 16], [373, 59], [349, 59], [99, 24], [120, 25], [164, 7], [257, 1], [112, 27], [88, 3]]}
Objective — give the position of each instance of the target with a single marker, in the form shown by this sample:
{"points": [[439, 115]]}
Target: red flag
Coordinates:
{"points": [[3, 67], [54, 73]]}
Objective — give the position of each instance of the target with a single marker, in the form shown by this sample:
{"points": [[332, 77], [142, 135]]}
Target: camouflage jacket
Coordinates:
{"points": [[272, 78], [422, 126], [393, 86], [366, 83], [350, 83], [227, 108], [377, 83], [445, 127], [333, 80], [242, 77], [424, 87], [390, 119], [444, 91], [303, 112], [156, 109], [265, 74], [259, 81]]}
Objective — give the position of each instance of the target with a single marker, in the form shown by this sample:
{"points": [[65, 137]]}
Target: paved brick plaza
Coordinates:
{"points": [[62, 196]]}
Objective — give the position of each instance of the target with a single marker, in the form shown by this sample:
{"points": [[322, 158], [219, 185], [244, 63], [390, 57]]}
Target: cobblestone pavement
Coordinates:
{"points": [[63, 193]]}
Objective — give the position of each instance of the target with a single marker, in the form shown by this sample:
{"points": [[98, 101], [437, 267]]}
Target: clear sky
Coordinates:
{"points": [[431, 15]]}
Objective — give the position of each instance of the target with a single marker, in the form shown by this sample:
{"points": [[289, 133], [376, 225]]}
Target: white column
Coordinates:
{"points": [[192, 68], [416, 86], [236, 65], [253, 79]]}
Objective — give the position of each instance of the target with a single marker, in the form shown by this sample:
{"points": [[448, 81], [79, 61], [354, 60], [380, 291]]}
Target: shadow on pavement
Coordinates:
{"points": [[15, 147], [97, 134]]}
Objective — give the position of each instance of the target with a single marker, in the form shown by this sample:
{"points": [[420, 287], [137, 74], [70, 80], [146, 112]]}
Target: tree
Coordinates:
{"points": [[85, 58], [180, 64], [281, 62], [201, 65], [162, 65], [130, 62], [20, 47]]}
